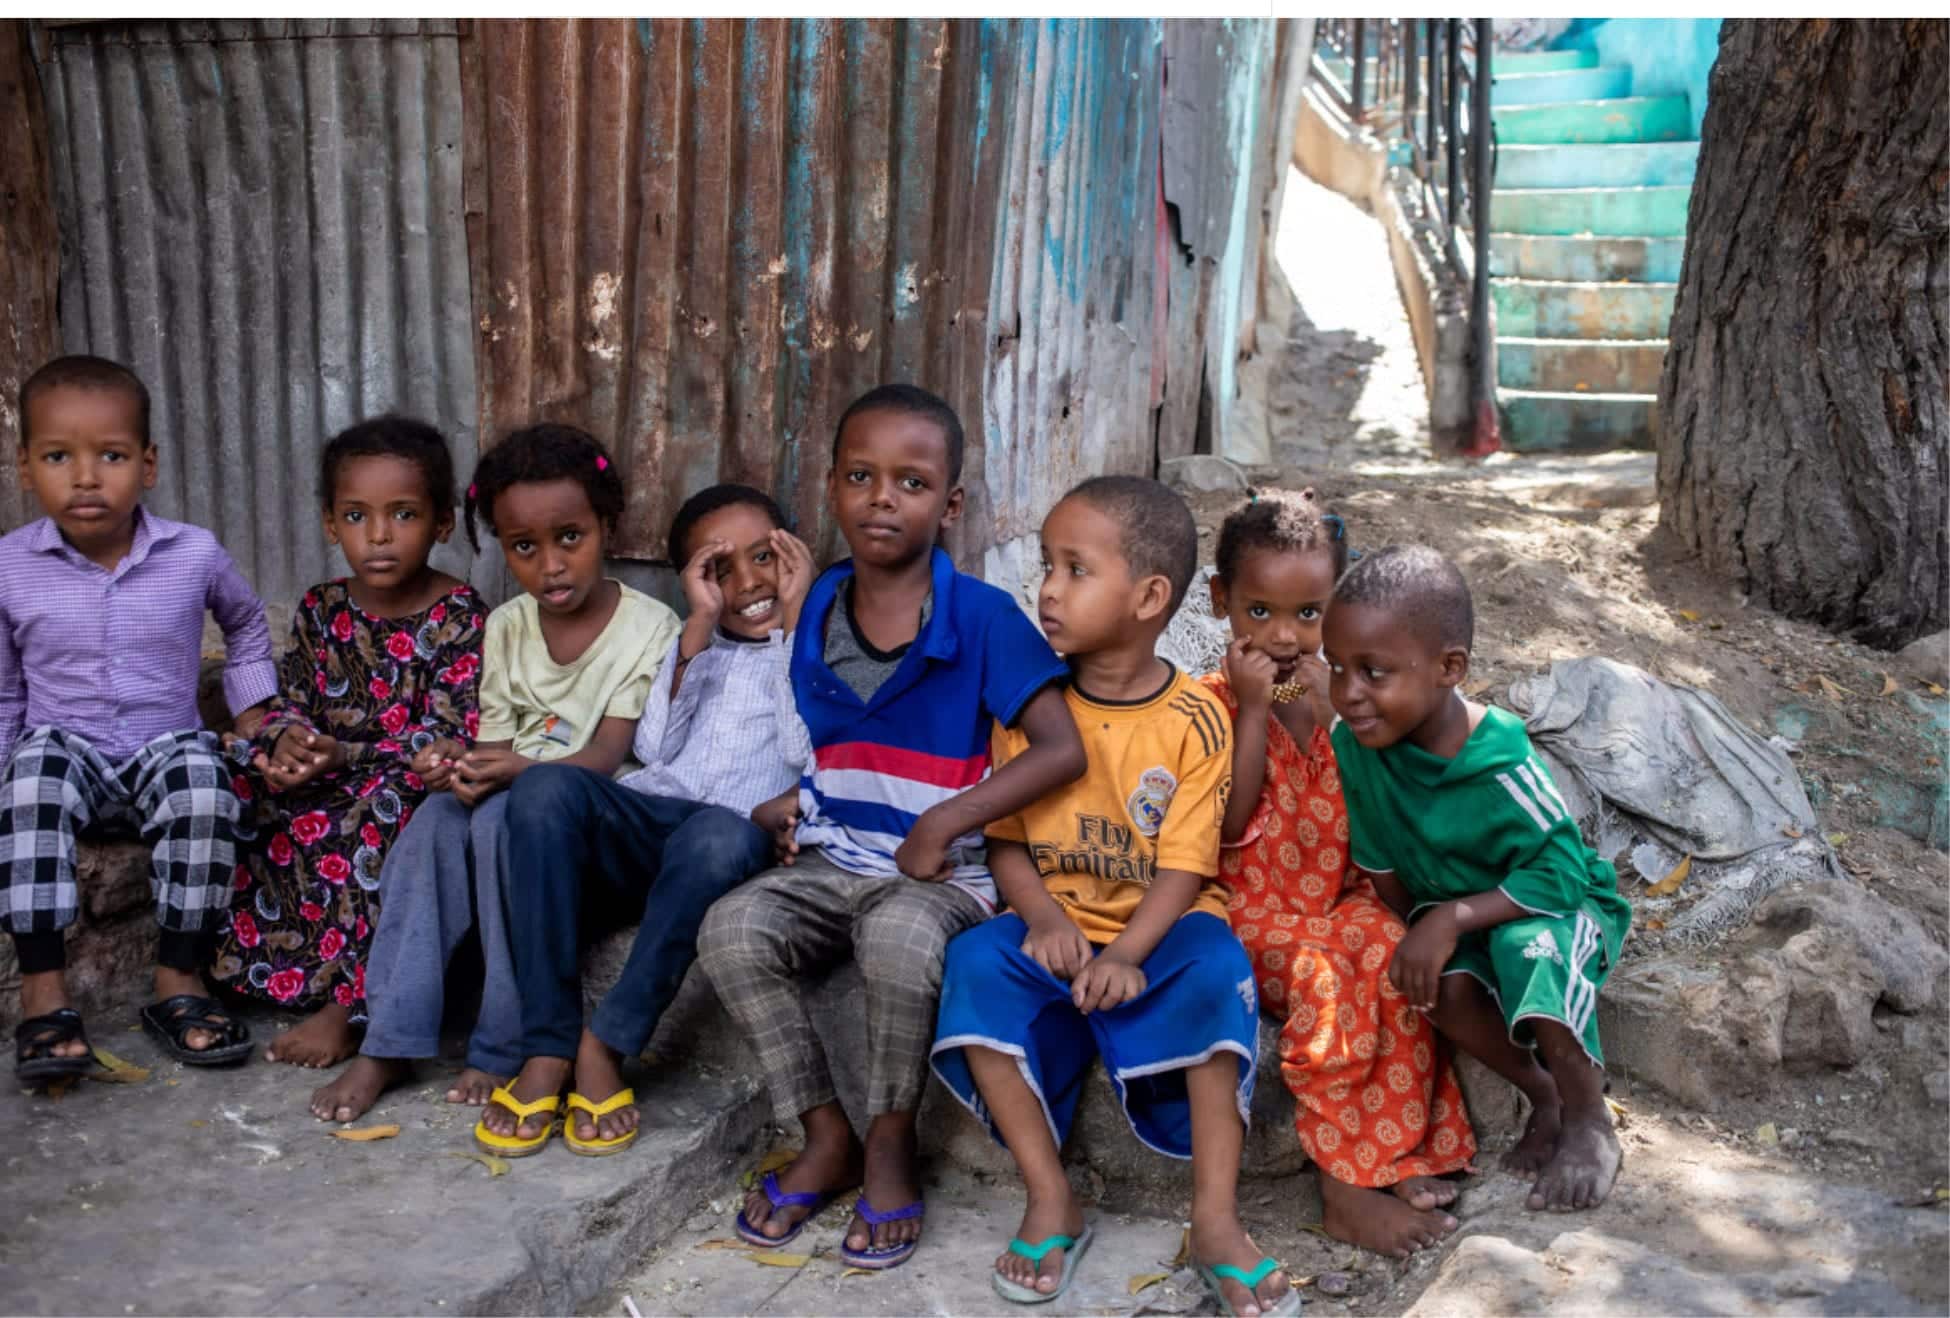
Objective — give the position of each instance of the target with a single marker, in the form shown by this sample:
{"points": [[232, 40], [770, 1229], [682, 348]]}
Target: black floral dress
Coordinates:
{"points": [[307, 890]]}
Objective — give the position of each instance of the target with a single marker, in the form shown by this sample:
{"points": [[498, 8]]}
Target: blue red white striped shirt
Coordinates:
{"points": [[924, 737]]}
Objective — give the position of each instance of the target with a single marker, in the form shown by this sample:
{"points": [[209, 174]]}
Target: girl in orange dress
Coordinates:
{"points": [[1378, 1108]]}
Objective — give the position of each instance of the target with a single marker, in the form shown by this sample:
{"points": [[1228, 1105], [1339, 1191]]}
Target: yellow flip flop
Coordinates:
{"points": [[517, 1146], [597, 1147]]}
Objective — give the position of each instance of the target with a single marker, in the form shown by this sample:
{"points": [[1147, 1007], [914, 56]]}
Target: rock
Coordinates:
{"points": [[1697, 1032], [1203, 473], [1497, 1108], [114, 878], [1936, 1087], [1926, 659], [111, 945]]}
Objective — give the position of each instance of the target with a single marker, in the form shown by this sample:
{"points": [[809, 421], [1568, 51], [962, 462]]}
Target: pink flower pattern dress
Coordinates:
{"points": [[306, 899]]}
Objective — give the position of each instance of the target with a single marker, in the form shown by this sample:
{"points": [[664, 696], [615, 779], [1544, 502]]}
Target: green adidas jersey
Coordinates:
{"points": [[1489, 819]]}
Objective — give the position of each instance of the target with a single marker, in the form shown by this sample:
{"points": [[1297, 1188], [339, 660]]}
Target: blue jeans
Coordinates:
{"points": [[574, 835]]}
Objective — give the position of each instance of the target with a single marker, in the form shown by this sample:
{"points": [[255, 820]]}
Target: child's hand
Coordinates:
{"points": [[1058, 946], [796, 573], [484, 771], [1250, 673], [1108, 981], [922, 855], [779, 817], [435, 762], [300, 756], [702, 593], [1416, 970], [1312, 670]]}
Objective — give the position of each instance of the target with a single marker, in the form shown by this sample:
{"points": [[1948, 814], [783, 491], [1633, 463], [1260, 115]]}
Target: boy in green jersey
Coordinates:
{"points": [[1514, 921]]}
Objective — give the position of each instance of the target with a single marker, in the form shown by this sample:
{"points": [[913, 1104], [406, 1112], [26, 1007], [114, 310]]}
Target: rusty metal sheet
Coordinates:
{"points": [[29, 254], [702, 238], [263, 219]]}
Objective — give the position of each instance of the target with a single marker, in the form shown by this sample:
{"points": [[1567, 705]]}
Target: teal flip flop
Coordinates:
{"points": [[1073, 1247], [1287, 1304]]}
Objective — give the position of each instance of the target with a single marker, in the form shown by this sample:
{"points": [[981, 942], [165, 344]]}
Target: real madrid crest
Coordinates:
{"points": [[1151, 799]]}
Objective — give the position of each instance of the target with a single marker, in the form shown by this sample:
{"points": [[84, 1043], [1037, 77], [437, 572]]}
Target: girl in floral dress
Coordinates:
{"points": [[378, 687], [1377, 1105]]}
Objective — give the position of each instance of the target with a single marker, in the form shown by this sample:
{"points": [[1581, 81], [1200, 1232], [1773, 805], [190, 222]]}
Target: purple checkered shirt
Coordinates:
{"points": [[115, 656]]}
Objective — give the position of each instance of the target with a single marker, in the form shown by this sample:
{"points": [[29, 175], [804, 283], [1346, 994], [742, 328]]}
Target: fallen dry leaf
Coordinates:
{"points": [[1667, 886], [860, 1272], [1654, 924], [773, 1259], [1789, 830], [115, 1071], [1145, 1280], [495, 1166], [1834, 690], [366, 1134], [1835, 839], [722, 1242], [1689, 615], [1766, 1133], [199, 1123], [1184, 1254], [771, 1162], [1889, 685], [1931, 687]]}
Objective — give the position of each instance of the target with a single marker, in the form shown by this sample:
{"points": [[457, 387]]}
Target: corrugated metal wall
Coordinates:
{"points": [[263, 219], [29, 253], [700, 239]]}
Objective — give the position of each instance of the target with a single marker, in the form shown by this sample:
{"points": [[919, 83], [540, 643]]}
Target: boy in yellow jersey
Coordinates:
{"points": [[1116, 943]]}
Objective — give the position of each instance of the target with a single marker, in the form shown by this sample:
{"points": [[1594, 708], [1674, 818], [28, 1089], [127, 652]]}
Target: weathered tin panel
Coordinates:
{"points": [[29, 254], [263, 219], [702, 238]]}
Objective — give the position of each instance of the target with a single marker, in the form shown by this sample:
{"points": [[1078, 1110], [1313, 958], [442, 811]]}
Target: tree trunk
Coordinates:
{"points": [[1805, 433]]}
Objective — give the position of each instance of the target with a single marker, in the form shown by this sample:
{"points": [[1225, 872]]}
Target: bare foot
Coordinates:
{"points": [[889, 1183], [1045, 1215], [324, 1038], [1539, 1140], [540, 1077], [352, 1094], [1425, 1192], [1391, 1224], [829, 1163], [599, 1075], [473, 1087], [1581, 1172], [48, 991], [1220, 1238]]}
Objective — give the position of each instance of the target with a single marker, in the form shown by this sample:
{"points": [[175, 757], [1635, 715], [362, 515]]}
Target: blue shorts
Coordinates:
{"points": [[1198, 1000]]}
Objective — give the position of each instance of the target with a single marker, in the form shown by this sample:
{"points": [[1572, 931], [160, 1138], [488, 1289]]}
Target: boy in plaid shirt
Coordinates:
{"points": [[101, 633]]}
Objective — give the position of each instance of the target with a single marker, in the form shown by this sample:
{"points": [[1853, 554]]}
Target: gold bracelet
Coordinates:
{"points": [[1285, 693]]}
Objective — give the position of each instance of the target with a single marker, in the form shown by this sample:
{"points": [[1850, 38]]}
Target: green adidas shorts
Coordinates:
{"points": [[1543, 967]]}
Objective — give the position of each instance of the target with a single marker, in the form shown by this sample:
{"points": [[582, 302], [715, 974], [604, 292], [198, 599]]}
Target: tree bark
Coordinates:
{"points": [[1805, 431]]}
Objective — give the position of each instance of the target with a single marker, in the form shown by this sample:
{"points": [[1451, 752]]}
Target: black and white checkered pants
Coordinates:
{"points": [[175, 790]]}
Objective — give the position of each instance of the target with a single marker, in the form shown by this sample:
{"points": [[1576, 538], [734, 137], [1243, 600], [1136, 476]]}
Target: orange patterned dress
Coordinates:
{"points": [[1377, 1101]]}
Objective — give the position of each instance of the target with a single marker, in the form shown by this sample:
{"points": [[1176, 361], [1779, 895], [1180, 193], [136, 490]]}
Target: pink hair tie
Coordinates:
{"points": [[472, 490], [602, 463]]}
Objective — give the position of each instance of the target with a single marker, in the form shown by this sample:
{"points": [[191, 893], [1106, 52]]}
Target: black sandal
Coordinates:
{"points": [[172, 1019], [35, 1040]]}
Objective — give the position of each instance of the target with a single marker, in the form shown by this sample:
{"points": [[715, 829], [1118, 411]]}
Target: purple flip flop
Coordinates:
{"points": [[879, 1257], [812, 1201]]}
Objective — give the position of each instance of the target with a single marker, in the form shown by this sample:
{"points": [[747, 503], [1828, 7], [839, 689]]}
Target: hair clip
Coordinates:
{"points": [[473, 491], [1340, 527], [602, 463]]}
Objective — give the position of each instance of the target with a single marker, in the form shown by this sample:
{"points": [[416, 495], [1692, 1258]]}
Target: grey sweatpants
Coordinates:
{"points": [[446, 873], [761, 942]]}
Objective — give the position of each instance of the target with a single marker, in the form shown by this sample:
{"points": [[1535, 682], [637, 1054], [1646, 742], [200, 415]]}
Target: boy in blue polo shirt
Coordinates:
{"points": [[901, 668]]}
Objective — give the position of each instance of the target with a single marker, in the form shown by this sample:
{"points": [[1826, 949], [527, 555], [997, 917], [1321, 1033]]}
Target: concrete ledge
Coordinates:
{"points": [[113, 943]]}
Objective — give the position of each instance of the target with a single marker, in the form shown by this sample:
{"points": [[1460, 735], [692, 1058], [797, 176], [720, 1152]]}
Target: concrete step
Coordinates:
{"points": [[1630, 366], [1556, 86], [1631, 119], [1536, 308], [1614, 212], [1596, 165], [1543, 61], [1585, 258], [1540, 421]]}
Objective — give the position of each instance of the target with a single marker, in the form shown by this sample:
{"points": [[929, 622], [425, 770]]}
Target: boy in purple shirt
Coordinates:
{"points": [[101, 635]]}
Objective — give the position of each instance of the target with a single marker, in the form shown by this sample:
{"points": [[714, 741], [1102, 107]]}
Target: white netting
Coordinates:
{"points": [[1194, 639]]}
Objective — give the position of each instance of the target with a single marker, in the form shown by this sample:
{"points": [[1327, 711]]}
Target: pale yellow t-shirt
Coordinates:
{"points": [[549, 710], [1152, 798]]}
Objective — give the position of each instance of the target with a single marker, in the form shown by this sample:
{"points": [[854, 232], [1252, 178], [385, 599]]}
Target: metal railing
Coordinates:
{"points": [[1422, 84]]}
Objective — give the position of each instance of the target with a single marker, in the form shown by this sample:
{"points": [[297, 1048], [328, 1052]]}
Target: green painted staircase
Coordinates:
{"points": [[1588, 222]]}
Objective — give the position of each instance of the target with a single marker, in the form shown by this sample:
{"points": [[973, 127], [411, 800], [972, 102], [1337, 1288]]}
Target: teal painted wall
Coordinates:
{"points": [[1668, 56]]}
